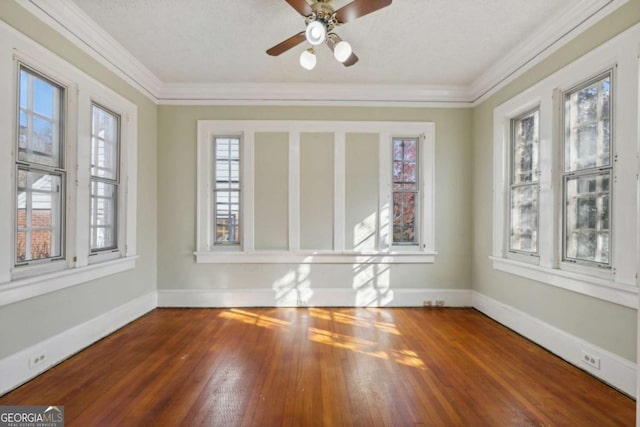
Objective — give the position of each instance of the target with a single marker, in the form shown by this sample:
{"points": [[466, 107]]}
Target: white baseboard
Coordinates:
{"points": [[614, 370], [328, 297], [16, 368]]}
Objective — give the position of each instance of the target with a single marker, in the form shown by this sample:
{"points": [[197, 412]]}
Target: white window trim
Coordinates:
{"points": [[19, 283], [618, 284], [206, 252]]}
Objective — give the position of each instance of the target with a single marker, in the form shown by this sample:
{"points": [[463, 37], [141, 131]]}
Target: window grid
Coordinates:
{"points": [[405, 191], [104, 180], [524, 183], [587, 173], [40, 170], [227, 190]]}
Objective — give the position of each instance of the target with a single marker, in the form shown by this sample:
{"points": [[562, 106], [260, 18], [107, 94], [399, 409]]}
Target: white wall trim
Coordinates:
{"points": [[316, 94], [71, 22], [315, 257], [30, 287], [206, 252], [614, 370], [320, 297], [15, 368], [598, 287], [65, 17], [618, 284], [557, 32]]}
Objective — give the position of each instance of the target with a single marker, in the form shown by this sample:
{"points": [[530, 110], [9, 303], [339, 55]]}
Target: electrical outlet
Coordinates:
{"points": [[302, 303], [440, 302], [591, 360], [37, 360], [427, 303]]}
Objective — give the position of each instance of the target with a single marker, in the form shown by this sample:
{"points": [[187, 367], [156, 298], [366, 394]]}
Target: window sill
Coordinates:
{"points": [[317, 257], [606, 289], [25, 288]]}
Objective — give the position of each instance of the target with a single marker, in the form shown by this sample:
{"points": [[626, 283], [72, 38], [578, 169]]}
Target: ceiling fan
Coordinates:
{"points": [[320, 20]]}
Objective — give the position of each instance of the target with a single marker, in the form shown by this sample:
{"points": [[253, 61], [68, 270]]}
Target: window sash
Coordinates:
{"points": [[587, 218], [40, 120], [105, 143], [587, 125], [103, 217], [39, 215]]}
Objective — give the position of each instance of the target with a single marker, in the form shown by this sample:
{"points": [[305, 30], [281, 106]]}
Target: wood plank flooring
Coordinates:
{"points": [[322, 367]]}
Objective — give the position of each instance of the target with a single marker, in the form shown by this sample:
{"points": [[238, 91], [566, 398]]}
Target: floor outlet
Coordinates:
{"points": [[427, 303]]}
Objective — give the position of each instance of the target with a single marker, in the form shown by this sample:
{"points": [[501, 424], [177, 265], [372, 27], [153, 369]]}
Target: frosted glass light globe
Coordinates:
{"points": [[315, 33], [342, 51], [308, 60]]}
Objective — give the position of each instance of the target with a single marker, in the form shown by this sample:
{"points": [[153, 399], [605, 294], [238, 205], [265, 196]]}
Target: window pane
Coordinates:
{"points": [[39, 216], [104, 143], [404, 215], [524, 158], [587, 122], [227, 216], [587, 218], [104, 198], [44, 98], [39, 121], [524, 219]]}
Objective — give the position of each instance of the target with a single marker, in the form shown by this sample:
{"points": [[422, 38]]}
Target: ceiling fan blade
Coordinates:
{"points": [[284, 46], [351, 60], [358, 8], [301, 6]]}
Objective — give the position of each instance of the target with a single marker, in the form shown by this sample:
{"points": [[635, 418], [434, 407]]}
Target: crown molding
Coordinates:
{"points": [[558, 31], [69, 20], [314, 94]]}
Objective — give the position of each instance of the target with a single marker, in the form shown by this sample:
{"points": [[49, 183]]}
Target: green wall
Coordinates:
{"points": [[177, 201], [31, 321], [607, 325]]}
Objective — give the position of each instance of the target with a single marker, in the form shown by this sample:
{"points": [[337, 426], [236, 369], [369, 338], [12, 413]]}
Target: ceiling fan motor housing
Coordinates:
{"points": [[323, 12]]}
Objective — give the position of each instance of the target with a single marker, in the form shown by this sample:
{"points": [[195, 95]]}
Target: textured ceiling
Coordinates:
{"points": [[413, 42]]}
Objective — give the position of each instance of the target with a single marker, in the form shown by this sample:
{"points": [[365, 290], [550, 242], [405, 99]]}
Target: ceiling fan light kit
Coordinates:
{"points": [[316, 32], [308, 59], [342, 51], [321, 19]]}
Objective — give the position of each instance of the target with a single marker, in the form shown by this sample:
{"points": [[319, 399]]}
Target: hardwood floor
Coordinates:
{"points": [[322, 367]]}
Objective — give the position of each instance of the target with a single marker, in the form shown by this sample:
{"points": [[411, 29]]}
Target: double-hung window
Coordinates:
{"points": [[406, 191], [67, 174], [326, 192], [587, 172], [105, 179], [40, 170], [227, 190], [565, 176], [524, 188]]}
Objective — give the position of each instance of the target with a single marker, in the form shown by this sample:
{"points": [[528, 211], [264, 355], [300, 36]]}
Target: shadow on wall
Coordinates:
{"points": [[370, 287]]}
